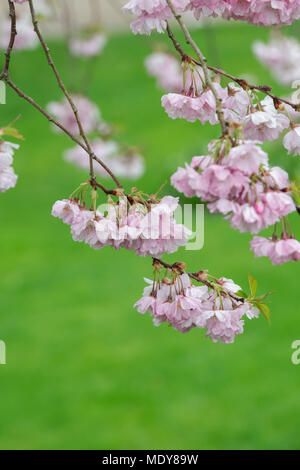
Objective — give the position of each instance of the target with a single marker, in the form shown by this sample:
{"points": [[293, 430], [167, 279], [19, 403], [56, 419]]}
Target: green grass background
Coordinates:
{"points": [[84, 369]]}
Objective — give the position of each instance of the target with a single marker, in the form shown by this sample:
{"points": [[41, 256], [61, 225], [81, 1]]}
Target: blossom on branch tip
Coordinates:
{"points": [[181, 304], [257, 12], [291, 140], [152, 14], [147, 229], [279, 251], [265, 123], [8, 178]]}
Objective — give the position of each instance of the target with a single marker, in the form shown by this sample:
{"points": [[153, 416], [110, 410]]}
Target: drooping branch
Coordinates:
{"points": [[62, 86], [4, 75], [202, 60], [13, 34], [199, 277], [266, 89]]}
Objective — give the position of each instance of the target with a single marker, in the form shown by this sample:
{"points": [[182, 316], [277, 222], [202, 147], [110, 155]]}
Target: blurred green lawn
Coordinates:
{"points": [[84, 369]]}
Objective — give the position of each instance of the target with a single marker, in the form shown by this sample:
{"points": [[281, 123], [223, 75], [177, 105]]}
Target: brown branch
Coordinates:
{"points": [[197, 277], [5, 76], [202, 60], [87, 147], [240, 81], [13, 34], [61, 85]]}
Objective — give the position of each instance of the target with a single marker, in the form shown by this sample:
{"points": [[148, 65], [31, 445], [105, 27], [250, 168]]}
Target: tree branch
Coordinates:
{"points": [[197, 277], [202, 60], [240, 81]]}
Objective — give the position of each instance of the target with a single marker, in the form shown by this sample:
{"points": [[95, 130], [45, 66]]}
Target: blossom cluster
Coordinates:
{"points": [[239, 185], [148, 229], [282, 56], [260, 121], [152, 15], [127, 164], [181, 304], [279, 251], [8, 178]]}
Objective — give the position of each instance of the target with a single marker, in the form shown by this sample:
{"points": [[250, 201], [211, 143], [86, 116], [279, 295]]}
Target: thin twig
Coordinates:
{"points": [[218, 71], [62, 86], [197, 277], [13, 34], [4, 75], [202, 60]]}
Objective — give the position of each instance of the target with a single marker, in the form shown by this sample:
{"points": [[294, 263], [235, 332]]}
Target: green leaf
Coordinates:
{"points": [[253, 285], [264, 309], [12, 132]]}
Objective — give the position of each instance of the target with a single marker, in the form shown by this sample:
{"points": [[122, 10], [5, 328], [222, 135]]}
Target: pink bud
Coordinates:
{"points": [[259, 207]]}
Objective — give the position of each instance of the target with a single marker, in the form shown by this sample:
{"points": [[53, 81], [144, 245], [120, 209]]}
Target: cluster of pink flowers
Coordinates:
{"points": [[257, 12], [239, 185], [291, 140], [193, 105], [282, 56], [124, 164], [279, 251], [261, 122], [152, 15], [88, 47], [185, 306], [166, 69], [8, 178], [88, 112], [148, 231]]}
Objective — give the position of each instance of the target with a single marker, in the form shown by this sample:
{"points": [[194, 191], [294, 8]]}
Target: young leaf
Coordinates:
{"points": [[12, 132], [253, 285], [264, 309]]}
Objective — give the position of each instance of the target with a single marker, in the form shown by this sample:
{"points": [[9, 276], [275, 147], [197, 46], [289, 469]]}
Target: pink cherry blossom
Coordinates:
{"points": [[88, 47], [26, 37], [266, 124], [291, 141], [8, 178], [179, 106], [247, 158], [277, 178], [148, 231], [282, 56], [166, 69], [185, 306], [236, 104], [257, 12], [88, 112], [280, 251], [152, 14]]}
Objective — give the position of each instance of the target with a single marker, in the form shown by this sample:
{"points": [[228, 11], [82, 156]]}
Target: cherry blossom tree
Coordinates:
{"points": [[234, 178]]}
